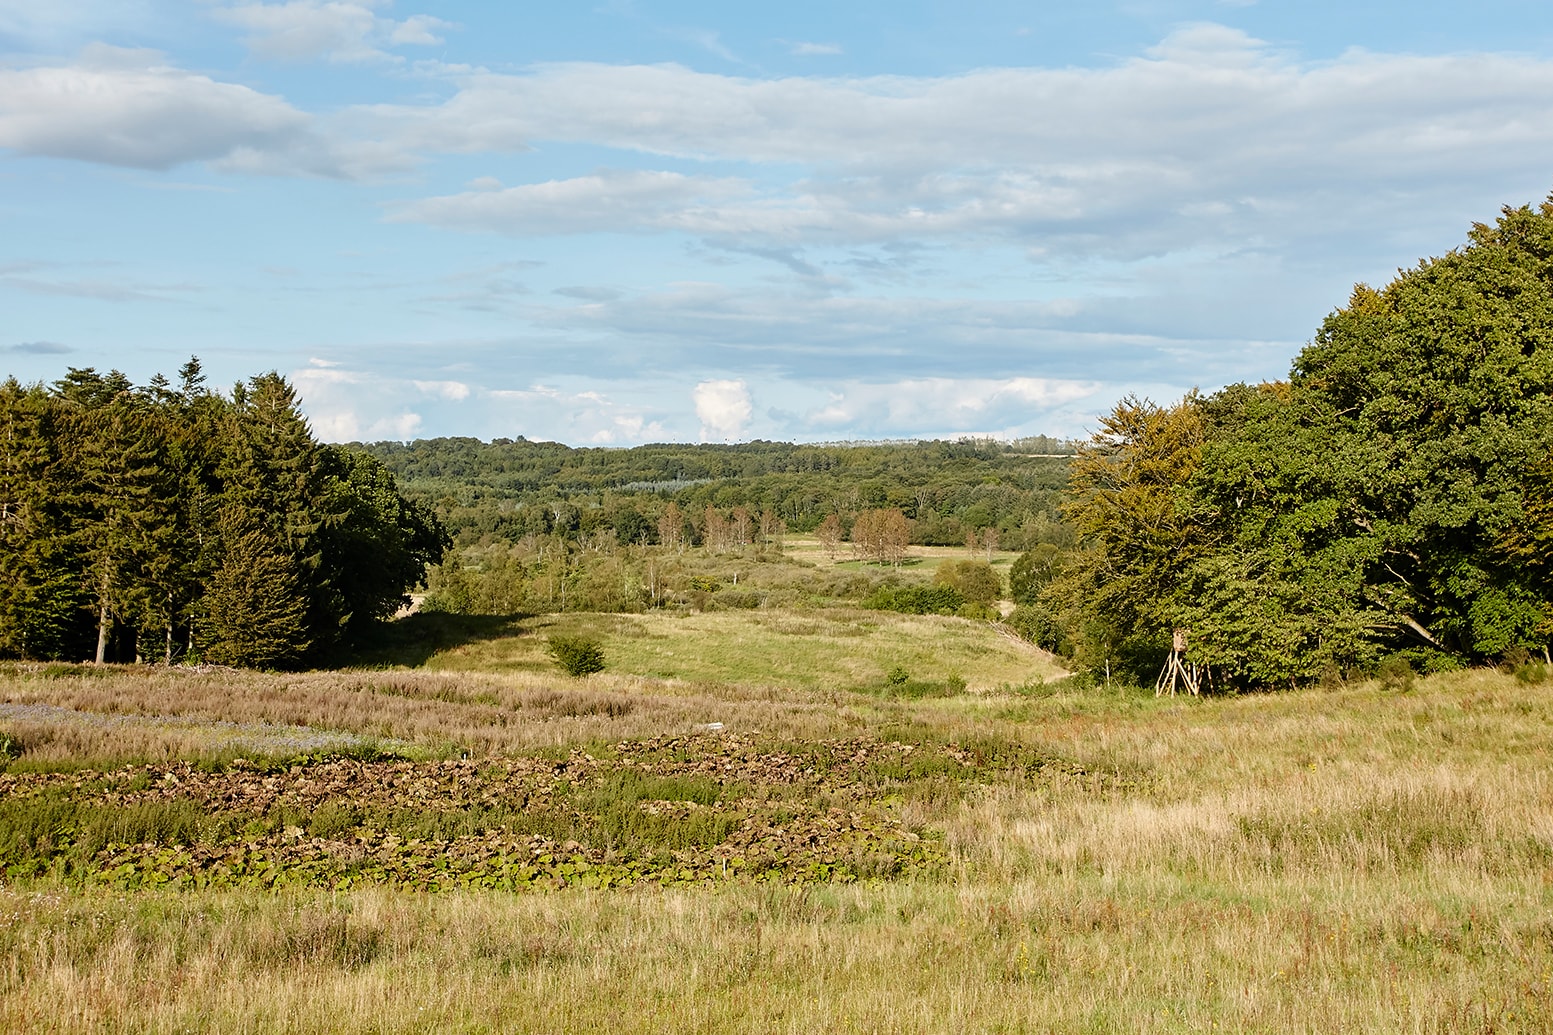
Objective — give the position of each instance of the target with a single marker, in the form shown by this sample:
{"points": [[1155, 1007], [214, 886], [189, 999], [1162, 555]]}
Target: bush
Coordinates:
{"points": [[1033, 569], [973, 580], [577, 655], [917, 600], [1038, 625], [1531, 673], [1395, 673]]}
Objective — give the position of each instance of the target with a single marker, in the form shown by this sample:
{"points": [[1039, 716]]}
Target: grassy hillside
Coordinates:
{"points": [[839, 648], [1058, 859]]}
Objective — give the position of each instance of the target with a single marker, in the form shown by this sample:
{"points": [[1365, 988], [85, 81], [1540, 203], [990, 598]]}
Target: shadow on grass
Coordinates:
{"points": [[411, 641]]}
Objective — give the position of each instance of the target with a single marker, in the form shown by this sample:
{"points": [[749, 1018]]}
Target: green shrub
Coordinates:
{"points": [[917, 600], [1033, 569], [1531, 673], [976, 581], [1038, 625], [1395, 673], [577, 655]]}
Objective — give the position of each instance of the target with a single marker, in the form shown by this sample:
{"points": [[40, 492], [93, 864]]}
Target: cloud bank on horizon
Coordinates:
{"points": [[651, 221]]}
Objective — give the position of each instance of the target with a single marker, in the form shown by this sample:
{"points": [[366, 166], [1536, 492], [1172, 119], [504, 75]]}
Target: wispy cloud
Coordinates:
{"points": [[336, 30], [610, 200], [37, 348], [1212, 137]]}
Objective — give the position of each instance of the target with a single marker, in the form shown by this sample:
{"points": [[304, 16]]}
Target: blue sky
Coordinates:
{"points": [[639, 221]]}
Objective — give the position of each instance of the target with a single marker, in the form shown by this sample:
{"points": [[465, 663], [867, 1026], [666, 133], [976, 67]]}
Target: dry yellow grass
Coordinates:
{"points": [[920, 558], [1349, 861], [441, 712]]}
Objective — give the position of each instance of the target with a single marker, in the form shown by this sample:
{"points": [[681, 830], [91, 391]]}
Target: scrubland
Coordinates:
{"points": [[1030, 854]]}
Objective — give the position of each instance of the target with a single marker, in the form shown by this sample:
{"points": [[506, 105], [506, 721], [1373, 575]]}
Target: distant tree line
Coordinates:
{"points": [[1393, 499], [170, 522], [508, 490]]}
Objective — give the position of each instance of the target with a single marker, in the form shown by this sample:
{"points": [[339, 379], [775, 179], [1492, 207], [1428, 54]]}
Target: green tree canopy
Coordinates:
{"points": [[148, 522], [1392, 495]]}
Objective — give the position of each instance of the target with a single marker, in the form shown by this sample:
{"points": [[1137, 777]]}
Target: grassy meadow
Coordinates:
{"points": [[502, 848], [839, 648]]}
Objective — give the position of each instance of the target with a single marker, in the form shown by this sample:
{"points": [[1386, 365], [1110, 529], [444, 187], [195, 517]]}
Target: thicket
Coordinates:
{"points": [[172, 522], [1393, 499]]}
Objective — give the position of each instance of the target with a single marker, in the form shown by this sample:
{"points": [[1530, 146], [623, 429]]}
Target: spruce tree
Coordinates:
{"points": [[41, 598], [256, 609]]}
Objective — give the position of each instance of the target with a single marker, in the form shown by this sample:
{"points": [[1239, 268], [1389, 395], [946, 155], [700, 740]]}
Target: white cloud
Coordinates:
{"points": [[1203, 95], [605, 201], [723, 408], [339, 30], [454, 390], [36, 348], [420, 30], [942, 405], [1211, 136], [403, 426], [127, 107], [816, 49], [1211, 139], [346, 401]]}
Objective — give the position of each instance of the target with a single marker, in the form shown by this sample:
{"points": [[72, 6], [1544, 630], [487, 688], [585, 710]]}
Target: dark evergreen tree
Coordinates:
{"points": [[149, 522], [257, 606], [41, 592]]}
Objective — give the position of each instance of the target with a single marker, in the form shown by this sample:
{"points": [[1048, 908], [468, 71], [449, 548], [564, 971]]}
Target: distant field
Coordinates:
{"points": [[835, 648], [923, 559], [1043, 857]]}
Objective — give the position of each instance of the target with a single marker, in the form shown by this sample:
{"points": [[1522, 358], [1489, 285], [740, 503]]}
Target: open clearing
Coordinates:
{"points": [[838, 648], [1043, 857]]}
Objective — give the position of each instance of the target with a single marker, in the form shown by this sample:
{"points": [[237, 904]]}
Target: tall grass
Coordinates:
{"points": [[1354, 860]]}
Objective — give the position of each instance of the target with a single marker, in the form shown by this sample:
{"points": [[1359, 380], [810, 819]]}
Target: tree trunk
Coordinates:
{"points": [[103, 618], [167, 653]]}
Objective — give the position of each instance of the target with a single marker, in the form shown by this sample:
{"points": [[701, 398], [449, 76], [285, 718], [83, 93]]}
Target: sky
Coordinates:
{"points": [[638, 221]]}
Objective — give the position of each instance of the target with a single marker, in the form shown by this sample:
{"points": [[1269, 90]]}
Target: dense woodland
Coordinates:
{"points": [[508, 489], [174, 523]]}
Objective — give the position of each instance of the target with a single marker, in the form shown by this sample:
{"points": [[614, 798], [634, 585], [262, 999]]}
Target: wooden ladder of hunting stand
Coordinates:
{"points": [[1177, 668]]}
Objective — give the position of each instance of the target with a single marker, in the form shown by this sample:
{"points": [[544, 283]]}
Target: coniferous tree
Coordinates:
{"points": [[117, 462], [257, 606], [41, 595], [154, 521]]}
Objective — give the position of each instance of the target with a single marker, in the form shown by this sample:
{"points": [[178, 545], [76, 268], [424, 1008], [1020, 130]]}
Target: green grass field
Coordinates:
{"points": [[829, 648], [1038, 857]]}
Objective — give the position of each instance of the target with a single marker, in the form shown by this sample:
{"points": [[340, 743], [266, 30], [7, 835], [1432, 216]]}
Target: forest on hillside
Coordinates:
{"points": [[507, 490], [172, 523]]}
